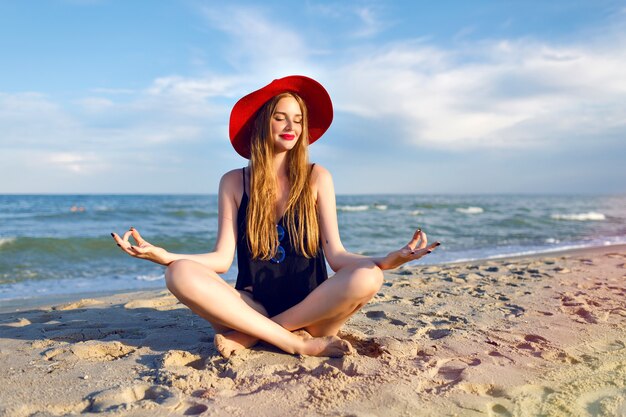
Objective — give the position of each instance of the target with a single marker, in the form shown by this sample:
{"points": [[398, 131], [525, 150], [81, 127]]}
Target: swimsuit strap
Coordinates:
{"points": [[243, 171]]}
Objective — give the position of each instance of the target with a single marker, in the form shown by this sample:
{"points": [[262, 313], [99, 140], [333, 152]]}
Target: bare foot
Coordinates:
{"points": [[303, 334], [234, 341], [330, 346]]}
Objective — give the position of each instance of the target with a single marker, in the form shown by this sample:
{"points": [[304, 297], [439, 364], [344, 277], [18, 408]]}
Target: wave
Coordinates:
{"points": [[6, 241], [416, 213], [581, 217], [353, 208], [150, 277], [380, 206], [470, 210]]}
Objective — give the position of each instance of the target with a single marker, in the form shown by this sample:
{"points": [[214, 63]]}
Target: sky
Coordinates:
{"points": [[471, 97]]}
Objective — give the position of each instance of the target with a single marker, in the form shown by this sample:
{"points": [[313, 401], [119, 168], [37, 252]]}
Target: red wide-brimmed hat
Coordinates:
{"points": [[319, 106]]}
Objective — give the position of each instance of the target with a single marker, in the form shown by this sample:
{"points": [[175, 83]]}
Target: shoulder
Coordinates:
{"points": [[319, 173], [321, 181], [231, 183], [232, 175]]}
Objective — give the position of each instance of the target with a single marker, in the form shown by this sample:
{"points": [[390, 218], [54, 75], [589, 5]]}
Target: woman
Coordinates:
{"points": [[279, 213]]}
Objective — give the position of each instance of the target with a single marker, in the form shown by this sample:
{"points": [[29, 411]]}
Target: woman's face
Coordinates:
{"points": [[286, 124]]}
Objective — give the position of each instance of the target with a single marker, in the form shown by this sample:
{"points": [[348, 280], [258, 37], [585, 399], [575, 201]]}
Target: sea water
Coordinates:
{"points": [[54, 245]]}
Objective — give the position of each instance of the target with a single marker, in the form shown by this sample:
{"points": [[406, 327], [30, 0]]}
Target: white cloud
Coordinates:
{"points": [[75, 162], [486, 94], [259, 43], [371, 24]]}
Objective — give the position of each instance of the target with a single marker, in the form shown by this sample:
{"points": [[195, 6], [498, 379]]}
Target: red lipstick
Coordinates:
{"points": [[287, 136]]}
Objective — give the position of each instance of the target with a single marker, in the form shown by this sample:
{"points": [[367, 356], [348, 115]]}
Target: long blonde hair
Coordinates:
{"points": [[300, 214]]}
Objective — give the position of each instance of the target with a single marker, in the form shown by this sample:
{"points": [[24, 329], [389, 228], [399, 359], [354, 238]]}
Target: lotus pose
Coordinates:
{"points": [[279, 213]]}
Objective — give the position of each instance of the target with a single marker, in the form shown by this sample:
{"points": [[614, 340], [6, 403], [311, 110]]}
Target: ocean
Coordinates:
{"points": [[53, 245]]}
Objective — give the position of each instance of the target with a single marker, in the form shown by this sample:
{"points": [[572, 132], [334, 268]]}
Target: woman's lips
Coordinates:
{"points": [[287, 136]]}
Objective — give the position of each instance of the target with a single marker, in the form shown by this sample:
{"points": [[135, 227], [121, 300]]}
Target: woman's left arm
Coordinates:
{"points": [[338, 257]]}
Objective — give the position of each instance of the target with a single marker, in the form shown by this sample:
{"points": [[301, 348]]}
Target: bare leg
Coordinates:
{"points": [[327, 308], [207, 295], [229, 341]]}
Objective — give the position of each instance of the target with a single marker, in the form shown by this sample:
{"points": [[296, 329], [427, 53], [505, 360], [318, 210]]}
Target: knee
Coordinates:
{"points": [[179, 275], [366, 280]]}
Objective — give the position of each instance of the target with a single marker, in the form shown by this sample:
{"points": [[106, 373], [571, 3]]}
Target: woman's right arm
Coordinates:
{"points": [[223, 254]]}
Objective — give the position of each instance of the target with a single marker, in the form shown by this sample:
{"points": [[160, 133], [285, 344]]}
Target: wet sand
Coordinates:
{"points": [[524, 336]]}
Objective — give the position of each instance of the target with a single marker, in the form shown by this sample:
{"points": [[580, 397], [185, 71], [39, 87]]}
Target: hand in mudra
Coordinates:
{"points": [[415, 249], [143, 249]]}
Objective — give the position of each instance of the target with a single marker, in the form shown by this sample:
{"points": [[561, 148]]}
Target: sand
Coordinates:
{"points": [[535, 336]]}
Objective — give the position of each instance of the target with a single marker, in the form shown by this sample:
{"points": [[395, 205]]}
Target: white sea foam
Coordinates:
{"points": [[552, 240], [581, 217], [416, 213], [6, 240], [380, 206], [353, 208], [154, 277], [470, 210]]}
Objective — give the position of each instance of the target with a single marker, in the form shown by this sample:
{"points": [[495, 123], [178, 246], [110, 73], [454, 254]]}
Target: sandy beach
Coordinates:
{"points": [[534, 336]]}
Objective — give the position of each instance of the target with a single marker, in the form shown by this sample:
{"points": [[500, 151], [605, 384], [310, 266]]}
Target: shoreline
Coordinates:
{"points": [[21, 304]]}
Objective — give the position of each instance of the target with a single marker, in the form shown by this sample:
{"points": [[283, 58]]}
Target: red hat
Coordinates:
{"points": [[319, 106]]}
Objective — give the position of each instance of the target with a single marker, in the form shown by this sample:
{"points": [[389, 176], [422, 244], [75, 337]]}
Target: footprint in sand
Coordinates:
{"points": [[90, 351], [364, 346], [581, 307], [136, 397], [381, 315], [500, 358], [498, 410], [444, 375], [510, 310], [181, 358], [540, 347]]}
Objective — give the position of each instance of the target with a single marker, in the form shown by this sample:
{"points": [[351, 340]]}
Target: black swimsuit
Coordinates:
{"points": [[276, 285]]}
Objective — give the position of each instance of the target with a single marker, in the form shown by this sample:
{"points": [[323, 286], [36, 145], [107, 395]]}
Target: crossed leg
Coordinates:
{"points": [[209, 296]]}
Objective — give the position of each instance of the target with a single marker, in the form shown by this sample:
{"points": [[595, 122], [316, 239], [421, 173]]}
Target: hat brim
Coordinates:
{"points": [[319, 106]]}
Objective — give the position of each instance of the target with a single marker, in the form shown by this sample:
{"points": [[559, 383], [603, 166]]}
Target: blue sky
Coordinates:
{"points": [[430, 97]]}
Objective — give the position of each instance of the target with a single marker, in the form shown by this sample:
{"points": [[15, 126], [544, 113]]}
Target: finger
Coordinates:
{"points": [[120, 242], [138, 250], [137, 236], [126, 236], [424, 241], [418, 253], [416, 238]]}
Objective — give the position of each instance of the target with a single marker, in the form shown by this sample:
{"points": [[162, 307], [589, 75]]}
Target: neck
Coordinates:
{"points": [[280, 164]]}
